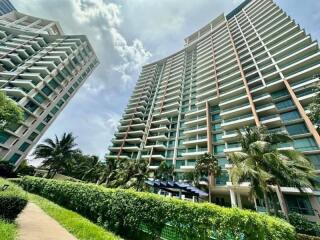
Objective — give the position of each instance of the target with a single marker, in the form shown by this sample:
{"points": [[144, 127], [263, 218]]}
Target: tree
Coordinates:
{"points": [[265, 165], [208, 165], [10, 112], [165, 171], [314, 110], [26, 169], [56, 153], [7, 169]]}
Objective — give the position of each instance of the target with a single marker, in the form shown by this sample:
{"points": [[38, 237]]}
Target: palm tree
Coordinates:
{"points": [[249, 165], [165, 171], [262, 162], [208, 165], [56, 153]]}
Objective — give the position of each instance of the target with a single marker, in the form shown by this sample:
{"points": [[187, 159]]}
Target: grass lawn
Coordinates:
{"points": [[80, 227], [7, 230]]}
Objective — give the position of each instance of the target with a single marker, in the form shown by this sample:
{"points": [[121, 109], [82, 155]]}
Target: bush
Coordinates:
{"points": [[304, 226], [6, 170], [307, 237], [126, 212], [12, 201]]}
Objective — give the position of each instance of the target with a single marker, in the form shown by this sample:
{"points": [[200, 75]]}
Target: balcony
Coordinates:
{"points": [[131, 133], [230, 135], [121, 156], [196, 121], [268, 108], [154, 156], [159, 146], [139, 126], [128, 148], [271, 121], [232, 149], [163, 121], [160, 129], [196, 130], [236, 110], [167, 113], [237, 122], [128, 140], [160, 137], [201, 140], [190, 115], [192, 154]]}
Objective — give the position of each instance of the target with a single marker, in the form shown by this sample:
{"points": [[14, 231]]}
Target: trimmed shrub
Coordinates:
{"points": [[306, 237], [12, 201], [127, 211], [303, 225]]}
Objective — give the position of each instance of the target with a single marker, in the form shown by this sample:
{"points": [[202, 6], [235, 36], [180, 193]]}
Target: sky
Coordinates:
{"points": [[126, 34]]}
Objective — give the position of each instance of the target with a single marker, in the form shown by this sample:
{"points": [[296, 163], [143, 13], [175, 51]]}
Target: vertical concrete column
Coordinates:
{"points": [[316, 206], [233, 198], [239, 200], [209, 133], [302, 112]]}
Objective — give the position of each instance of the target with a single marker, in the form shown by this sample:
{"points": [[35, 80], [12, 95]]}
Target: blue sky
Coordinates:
{"points": [[127, 34]]}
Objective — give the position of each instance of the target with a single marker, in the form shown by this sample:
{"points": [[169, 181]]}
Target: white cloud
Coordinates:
{"points": [[132, 56]]}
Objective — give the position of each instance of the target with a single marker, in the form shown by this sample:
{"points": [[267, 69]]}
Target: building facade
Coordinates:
{"points": [[40, 69], [252, 67], [6, 7]]}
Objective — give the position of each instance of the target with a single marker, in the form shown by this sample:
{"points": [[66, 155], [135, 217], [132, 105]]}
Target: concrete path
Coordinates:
{"points": [[35, 224]]}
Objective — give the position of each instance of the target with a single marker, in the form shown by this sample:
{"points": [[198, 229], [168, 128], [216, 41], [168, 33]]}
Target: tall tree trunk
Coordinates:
{"points": [[255, 203], [266, 202], [211, 184], [282, 201]]}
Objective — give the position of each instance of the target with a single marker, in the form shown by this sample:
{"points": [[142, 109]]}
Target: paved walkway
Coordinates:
{"points": [[35, 224]]}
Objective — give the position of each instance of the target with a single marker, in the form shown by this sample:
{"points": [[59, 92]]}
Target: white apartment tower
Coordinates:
{"points": [[255, 66], [41, 69]]}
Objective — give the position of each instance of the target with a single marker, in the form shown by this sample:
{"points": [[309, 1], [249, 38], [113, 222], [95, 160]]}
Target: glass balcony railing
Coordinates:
{"points": [[237, 118], [268, 117], [264, 105], [235, 107]]}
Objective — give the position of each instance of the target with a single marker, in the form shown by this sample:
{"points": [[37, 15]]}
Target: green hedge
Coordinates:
{"points": [[307, 237], [127, 211], [12, 201]]}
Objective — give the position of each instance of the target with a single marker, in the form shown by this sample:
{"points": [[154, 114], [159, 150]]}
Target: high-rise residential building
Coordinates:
{"points": [[6, 7], [254, 66], [41, 69]]}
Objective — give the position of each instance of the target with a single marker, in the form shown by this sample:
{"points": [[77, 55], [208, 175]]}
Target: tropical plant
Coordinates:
{"points": [[128, 212], [208, 165], [10, 112], [56, 153], [25, 169], [165, 171], [264, 165], [7, 169], [314, 110]]}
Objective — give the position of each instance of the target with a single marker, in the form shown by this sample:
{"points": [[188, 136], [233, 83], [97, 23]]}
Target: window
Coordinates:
{"points": [[24, 146], [284, 104], [217, 137], [60, 103], [295, 129], [288, 116], [218, 149], [180, 163], [65, 97], [53, 84], [31, 106], [33, 136], [39, 98], [215, 117], [4, 137], [305, 144], [216, 126], [47, 118], [47, 91], [169, 154], [280, 93], [15, 157], [54, 110], [40, 127], [299, 204], [315, 159]]}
